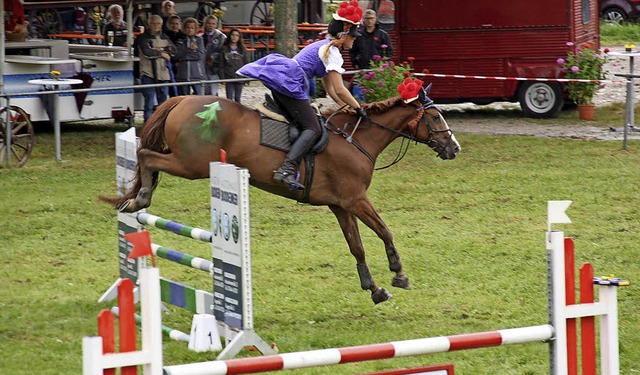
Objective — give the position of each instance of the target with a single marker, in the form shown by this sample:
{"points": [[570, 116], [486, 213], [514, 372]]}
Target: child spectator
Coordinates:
{"points": [[234, 55]]}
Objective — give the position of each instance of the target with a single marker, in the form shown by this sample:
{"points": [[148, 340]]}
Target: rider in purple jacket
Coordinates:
{"points": [[292, 79]]}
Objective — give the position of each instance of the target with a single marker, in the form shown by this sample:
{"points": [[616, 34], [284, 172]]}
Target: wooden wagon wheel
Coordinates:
{"points": [[22, 136], [262, 13], [43, 22], [203, 10], [94, 22]]}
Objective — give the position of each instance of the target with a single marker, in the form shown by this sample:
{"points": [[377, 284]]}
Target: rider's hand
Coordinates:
{"points": [[362, 114]]}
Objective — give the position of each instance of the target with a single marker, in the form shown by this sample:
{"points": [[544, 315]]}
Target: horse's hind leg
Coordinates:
{"points": [[349, 226], [364, 210], [150, 163]]}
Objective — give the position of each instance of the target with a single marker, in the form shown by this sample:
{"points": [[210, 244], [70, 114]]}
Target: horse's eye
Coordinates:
{"points": [[435, 118]]}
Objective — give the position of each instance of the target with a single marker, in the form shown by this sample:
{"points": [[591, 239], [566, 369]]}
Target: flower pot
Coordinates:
{"points": [[586, 111]]}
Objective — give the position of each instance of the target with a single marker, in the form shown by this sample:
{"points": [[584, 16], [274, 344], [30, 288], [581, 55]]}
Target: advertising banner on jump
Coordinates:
{"points": [[231, 245], [126, 160]]}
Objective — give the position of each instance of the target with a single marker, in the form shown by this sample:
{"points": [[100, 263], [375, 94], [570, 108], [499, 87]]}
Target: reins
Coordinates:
{"points": [[406, 138]]}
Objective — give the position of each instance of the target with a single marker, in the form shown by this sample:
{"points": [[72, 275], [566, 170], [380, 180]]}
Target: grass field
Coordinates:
{"points": [[470, 233]]}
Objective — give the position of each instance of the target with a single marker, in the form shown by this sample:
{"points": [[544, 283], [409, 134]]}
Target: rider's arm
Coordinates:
{"points": [[334, 86]]}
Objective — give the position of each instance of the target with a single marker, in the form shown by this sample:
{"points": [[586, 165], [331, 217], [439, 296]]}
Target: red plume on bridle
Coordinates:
{"points": [[409, 89]]}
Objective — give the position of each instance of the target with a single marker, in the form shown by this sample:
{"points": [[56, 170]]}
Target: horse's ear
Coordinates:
{"points": [[428, 88]]}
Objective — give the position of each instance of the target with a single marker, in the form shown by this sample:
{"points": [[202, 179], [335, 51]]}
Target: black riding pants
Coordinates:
{"points": [[299, 111]]}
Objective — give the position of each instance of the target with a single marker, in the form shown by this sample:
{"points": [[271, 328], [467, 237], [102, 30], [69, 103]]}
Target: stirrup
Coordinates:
{"points": [[288, 179]]}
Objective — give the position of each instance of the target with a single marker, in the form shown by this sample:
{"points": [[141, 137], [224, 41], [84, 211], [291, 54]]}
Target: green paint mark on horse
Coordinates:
{"points": [[209, 128]]}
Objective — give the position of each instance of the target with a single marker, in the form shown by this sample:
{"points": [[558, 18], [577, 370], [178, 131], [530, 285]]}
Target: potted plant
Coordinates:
{"points": [[380, 82], [584, 65]]}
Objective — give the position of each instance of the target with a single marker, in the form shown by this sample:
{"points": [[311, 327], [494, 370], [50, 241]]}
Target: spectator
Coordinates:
{"points": [[189, 58], [167, 10], [234, 55], [155, 50], [175, 33], [213, 40], [174, 29], [373, 41], [15, 25], [115, 32]]}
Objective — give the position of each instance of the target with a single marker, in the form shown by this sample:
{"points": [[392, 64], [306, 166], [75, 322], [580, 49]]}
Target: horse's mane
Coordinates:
{"points": [[371, 108]]}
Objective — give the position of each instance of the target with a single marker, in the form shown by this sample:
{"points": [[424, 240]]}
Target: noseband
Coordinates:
{"points": [[432, 143]]}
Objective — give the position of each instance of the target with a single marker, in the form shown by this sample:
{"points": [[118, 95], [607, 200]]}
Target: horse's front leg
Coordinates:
{"points": [[349, 226], [365, 211]]}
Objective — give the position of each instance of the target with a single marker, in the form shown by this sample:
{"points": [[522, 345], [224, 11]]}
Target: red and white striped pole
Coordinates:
{"points": [[362, 353], [502, 78]]}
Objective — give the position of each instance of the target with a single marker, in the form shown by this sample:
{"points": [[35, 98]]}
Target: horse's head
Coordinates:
{"points": [[435, 132]]}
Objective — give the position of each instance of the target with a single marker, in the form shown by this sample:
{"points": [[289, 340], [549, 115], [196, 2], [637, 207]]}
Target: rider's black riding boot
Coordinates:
{"points": [[286, 173]]}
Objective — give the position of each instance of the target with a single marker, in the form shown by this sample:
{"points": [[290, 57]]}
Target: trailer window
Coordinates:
{"points": [[586, 11], [386, 15], [385, 10], [365, 4]]}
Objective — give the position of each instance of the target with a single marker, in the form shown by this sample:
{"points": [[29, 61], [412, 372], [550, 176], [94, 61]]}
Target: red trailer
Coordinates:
{"points": [[498, 38]]}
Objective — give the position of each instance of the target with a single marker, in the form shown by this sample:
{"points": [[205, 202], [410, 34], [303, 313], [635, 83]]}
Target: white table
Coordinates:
{"points": [[55, 83]]}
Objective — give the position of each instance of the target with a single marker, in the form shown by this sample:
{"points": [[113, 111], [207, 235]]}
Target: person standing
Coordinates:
{"points": [[189, 58], [174, 28], [15, 25], [175, 33], [155, 49], [213, 41], [167, 10], [292, 79], [115, 32], [234, 55], [372, 41]]}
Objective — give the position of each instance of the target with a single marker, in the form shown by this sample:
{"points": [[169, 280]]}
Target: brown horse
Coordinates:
{"points": [[177, 140]]}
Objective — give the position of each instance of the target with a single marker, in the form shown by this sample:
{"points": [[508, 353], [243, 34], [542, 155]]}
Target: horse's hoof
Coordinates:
{"points": [[127, 206], [380, 295], [401, 282]]}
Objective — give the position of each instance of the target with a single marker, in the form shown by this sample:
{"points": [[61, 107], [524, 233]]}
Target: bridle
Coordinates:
{"points": [[421, 108]]}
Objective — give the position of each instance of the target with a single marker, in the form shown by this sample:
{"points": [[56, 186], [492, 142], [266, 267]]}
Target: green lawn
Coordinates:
{"points": [[470, 233]]}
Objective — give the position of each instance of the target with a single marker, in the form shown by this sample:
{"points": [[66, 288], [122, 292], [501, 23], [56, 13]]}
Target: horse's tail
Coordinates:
{"points": [[151, 138]]}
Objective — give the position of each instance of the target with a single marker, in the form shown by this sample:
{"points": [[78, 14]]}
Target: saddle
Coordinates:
{"points": [[279, 132]]}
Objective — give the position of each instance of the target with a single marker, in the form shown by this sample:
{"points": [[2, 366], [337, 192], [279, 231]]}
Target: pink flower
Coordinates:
{"points": [[377, 58], [575, 69], [569, 44], [380, 84], [385, 65], [560, 61], [380, 70], [384, 46]]}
